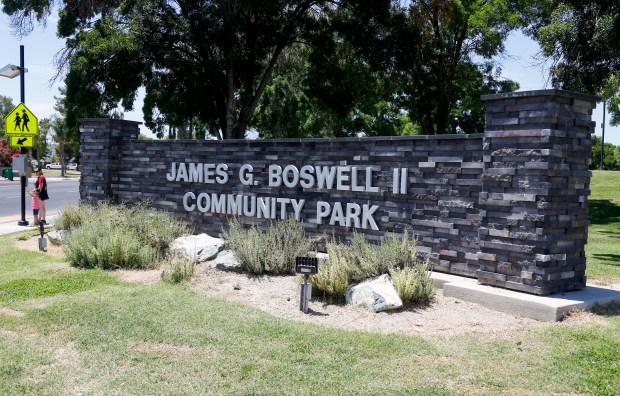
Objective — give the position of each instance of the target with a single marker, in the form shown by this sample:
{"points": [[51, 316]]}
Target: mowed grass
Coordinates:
{"points": [[603, 248], [65, 331]]}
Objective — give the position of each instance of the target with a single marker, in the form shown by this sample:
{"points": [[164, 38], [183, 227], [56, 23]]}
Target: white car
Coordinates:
{"points": [[53, 165], [72, 166]]}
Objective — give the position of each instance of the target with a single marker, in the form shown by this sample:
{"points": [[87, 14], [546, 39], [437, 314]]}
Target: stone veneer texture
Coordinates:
{"points": [[508, 206]]}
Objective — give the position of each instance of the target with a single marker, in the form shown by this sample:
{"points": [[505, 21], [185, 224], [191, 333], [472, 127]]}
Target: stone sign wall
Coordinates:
{"points": [[508, 206]]}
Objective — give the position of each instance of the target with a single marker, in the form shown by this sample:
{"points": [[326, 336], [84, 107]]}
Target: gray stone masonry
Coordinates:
{"points": [[534, 201], [508, 207]]}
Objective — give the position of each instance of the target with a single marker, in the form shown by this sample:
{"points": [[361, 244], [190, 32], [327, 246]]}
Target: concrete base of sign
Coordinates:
{"points": [[549, 308]]}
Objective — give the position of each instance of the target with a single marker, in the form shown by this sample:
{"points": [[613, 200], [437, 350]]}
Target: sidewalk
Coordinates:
{"points": [[8, 227]]}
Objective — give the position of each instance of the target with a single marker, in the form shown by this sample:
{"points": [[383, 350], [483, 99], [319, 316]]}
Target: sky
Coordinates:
{"points": [[42, 44]]}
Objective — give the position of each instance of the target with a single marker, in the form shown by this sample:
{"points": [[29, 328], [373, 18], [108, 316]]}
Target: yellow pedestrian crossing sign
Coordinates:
{"points": [[21, 121], [22, 141]]}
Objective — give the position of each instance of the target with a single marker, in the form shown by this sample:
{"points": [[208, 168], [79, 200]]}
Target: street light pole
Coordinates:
{"points": [[22, 76], [603, 138], [22, 177], [12, 71]]}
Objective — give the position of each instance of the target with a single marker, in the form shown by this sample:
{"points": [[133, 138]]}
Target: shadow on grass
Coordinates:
{"points": [[603, 211], [612, 309], [608, 259]]}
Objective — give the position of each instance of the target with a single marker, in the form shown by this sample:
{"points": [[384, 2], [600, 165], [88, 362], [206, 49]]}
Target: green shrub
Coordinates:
{"points": [[368, 261], [365, 261], [73, 216], [413, 283], [156, 227], [273, 251], [111, 237], [333, 275], [397, 251], [178, 269], [361, 260]]}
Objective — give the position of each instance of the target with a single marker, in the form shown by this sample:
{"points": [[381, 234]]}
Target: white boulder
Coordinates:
{"points": [[197, 248], [226, 260], [377, 294]]}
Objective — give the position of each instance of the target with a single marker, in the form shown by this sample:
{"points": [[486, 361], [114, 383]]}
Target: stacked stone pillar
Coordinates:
{"points": [[100, 140], [533, 205]]}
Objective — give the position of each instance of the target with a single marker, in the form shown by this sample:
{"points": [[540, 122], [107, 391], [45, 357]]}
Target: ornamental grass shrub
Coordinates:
{"points": [[178, 269], [413, 283], [395, 254], [272, 251], [333, 275], [73, 216], [110, 236]]}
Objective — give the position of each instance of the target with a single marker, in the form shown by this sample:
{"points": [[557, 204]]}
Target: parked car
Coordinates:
{"points": [[53, 165], [72, 166]]}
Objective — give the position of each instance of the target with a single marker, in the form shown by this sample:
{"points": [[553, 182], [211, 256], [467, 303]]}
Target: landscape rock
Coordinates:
{"points": [[198, 248], [56, 237], [227, 261], [377, 294]]}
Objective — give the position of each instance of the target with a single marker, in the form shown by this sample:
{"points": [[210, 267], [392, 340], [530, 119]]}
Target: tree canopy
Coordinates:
{"points": [[582, 40], [6, 106], [283, 68]]}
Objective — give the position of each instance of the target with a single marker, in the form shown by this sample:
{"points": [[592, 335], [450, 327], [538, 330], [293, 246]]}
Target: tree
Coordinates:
{"points": [[582, 41], [308, 100], [454, 37], [40, 141], [6, 106], [405, 70], [66, 132], [371, 67], [581, 38], [611, 160], [206, 59], [7, 153]]}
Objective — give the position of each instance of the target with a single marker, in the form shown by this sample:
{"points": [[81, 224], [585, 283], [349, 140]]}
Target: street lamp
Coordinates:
{"points": [[12, 71]]}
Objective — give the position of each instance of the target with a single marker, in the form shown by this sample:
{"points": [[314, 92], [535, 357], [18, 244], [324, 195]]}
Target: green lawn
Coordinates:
{"points": [[56, 173], [65, 331], [603, 248]]}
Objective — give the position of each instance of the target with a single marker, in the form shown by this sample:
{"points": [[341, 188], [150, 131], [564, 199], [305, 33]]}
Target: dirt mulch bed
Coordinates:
{"points": [[444, 317]]}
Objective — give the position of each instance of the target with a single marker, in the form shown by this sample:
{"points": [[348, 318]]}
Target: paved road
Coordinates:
{"points": [[62, 191]]}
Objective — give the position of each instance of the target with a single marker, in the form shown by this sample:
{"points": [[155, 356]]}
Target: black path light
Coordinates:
{"points": [[306, 266]]}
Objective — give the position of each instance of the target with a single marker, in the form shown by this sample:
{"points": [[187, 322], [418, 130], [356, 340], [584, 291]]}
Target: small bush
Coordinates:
{"points": [[101, 245], [73, 216], [273, 251], [361, 260], [178, 269], [413, 283], [365, 261], [397, 251], [111, 237], [333, 275]]}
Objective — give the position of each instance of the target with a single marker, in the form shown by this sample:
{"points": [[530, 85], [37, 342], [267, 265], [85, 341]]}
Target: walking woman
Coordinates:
{"points": [[41, 185]]}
